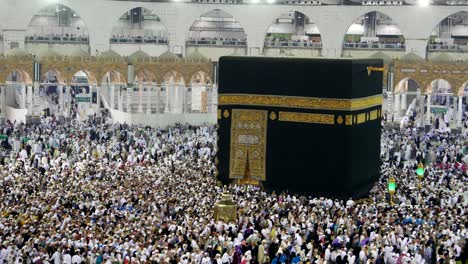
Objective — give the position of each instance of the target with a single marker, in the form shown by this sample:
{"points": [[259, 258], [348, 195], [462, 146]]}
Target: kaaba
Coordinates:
{"points": [[306, 126]]}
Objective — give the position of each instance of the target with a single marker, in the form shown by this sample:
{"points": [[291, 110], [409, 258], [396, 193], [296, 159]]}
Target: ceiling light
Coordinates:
{"points": [[424, 3]]}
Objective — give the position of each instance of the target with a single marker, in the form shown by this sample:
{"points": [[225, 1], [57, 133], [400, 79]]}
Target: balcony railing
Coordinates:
{"points": [[57, 39], [139, 40], [233, 43], [376, 46], [455, 48], [293, 44]]}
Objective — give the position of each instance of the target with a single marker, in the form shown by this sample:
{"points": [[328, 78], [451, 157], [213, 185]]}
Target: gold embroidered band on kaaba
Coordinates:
{"points": [[315, 103], [306, 118]]}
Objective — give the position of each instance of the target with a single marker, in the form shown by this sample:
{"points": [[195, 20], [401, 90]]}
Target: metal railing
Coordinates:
{"points": [[160, 102], [293, 44], [456, 48], [236, 43], [57, 39], [377, 46], [139, 40]]}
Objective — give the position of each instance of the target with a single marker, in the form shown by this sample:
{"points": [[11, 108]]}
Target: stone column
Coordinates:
{"points": [[428, 111], [3, 103], [175, 102], [60, 100], [112, 97], [23, 96], [209, 98], [98, 100], [129, 99], [158, 98], [460, 111], [140, 97], [148, 98], [68, 98], [181, 100], [120, 98], [35, 97], [90, 94], [420, 110], [396, 104], [29, 97], [214, 98], [184, 99], [416, 45], [168, 97], [404, 103]]}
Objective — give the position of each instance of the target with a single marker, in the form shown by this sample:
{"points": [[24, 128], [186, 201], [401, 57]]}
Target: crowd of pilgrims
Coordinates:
{"points": [[113, 193]]}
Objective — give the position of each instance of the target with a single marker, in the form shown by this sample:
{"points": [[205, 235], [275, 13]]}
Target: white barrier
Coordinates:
{"points": [[15, 114]]}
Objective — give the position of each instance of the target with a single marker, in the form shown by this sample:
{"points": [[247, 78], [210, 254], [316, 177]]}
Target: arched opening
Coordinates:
{"points": [[83, 95], [441, 91], [200, 93], [442, 102], [113, 77], [51, 91], [57, 25], [51, 80], [451, 34], [216, 28], [293, 30], [16, 85], [145, 77], [464, 93], [144, 83], [409, 88], [374, 30], [139, 28], [111, 85], [173, 92], [80, 83]]}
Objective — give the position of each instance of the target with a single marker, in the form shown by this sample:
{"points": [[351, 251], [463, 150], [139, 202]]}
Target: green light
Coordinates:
{"points": [[420, 171], [391, 186]]}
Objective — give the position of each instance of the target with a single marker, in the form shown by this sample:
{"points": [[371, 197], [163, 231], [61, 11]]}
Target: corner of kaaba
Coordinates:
{"points": [[309, 126]]}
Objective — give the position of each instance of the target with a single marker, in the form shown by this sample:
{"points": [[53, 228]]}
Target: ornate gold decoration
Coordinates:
{"points": [[361, 118], [248, 144], [273, 115], [247, 180], [339, 120], [219, 113], [349, 120], [370, 69], [301, 102], [226, 113], [307, 118], [225, 209], [374, 114]]}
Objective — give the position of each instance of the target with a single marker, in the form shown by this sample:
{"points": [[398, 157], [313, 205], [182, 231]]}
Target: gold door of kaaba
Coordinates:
{"points": [[248, 145]]}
